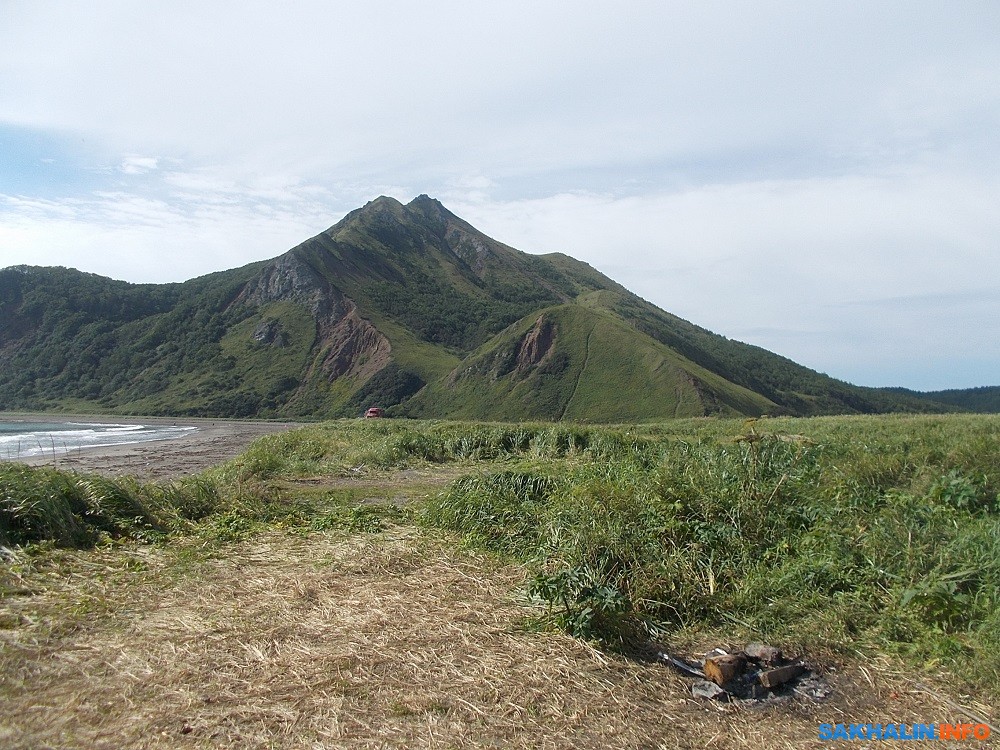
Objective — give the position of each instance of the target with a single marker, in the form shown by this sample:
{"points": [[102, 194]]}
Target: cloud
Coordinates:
{"points": [[529, 89], [138, 164], [181, 226]]}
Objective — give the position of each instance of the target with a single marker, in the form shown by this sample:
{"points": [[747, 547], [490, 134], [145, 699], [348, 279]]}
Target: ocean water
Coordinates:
{"points": [[22, 439]]}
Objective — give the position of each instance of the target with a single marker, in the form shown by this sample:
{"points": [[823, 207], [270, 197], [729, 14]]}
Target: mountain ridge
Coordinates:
{"points": [[404, 305]]}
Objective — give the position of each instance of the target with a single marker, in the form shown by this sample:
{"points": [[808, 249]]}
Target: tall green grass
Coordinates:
{"points": [[876, 532], [338, 447], [68, 509], [45, 504], [844, 532]]}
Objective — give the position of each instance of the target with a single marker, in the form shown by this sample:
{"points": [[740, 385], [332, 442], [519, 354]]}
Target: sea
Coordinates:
{"points": [[24, 439]]}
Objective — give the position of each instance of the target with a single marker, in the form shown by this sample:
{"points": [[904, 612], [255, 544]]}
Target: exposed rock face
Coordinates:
{"points": [[290, 279], [707, 398], [535, 345], [520, 357], [350, 344], [470, 249], [270, 333], [356, 348]]}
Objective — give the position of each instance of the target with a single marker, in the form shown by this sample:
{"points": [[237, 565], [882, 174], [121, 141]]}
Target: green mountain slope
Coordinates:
{"points": [[404, 306], [793, 388], [983, 400], [579, 363]]}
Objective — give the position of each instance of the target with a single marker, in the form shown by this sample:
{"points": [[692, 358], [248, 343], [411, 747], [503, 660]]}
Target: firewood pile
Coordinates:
{"points": [[758, 672]]}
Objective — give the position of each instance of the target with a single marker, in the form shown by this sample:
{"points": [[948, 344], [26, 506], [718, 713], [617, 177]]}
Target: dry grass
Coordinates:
{"points": [[370, 641]]}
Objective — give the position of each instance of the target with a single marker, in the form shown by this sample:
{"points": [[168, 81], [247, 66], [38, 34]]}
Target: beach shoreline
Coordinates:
{"points": [[214, 441]]}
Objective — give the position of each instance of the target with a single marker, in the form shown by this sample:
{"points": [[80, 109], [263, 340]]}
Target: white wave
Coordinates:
{"points": [[62, 441]]}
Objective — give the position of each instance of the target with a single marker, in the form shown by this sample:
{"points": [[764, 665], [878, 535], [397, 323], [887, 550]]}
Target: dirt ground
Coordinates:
{"points": [[329, 640]]}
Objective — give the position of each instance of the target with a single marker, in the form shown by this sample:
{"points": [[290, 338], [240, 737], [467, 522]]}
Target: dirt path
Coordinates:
{"points": [[579, 377], [334, 641]]}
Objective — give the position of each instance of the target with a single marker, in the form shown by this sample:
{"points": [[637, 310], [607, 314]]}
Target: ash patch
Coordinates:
{"points": [[758, 674]]}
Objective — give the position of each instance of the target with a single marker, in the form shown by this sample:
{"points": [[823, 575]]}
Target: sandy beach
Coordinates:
{"points": [[213, 442]]}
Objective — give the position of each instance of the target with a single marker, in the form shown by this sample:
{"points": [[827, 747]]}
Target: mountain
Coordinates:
{"points": [[984, 400], [404, 306]]}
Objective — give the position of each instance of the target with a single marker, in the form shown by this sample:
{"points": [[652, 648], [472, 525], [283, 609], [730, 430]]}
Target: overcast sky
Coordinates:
{"points": [[818, 178]]}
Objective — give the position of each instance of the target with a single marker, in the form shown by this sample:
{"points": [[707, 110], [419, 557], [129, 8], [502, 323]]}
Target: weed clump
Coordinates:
{"points": [[44, 504], [47, 505]]}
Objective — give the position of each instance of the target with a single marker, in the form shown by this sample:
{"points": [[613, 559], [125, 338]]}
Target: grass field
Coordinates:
{"points": [[861, 541]]}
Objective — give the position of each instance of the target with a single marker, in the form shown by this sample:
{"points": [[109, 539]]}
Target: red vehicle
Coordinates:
{"points": [[374, 413]]}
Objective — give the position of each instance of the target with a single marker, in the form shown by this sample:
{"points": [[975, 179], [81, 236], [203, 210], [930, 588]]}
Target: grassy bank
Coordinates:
{"points": [[850, 534]]}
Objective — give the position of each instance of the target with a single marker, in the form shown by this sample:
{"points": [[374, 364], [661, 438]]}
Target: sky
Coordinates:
{"points": [[821, 179]]}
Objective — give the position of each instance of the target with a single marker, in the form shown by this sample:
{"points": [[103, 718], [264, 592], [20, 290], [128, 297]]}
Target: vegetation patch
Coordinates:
{"points": [[838, 535], [887, 540]]}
